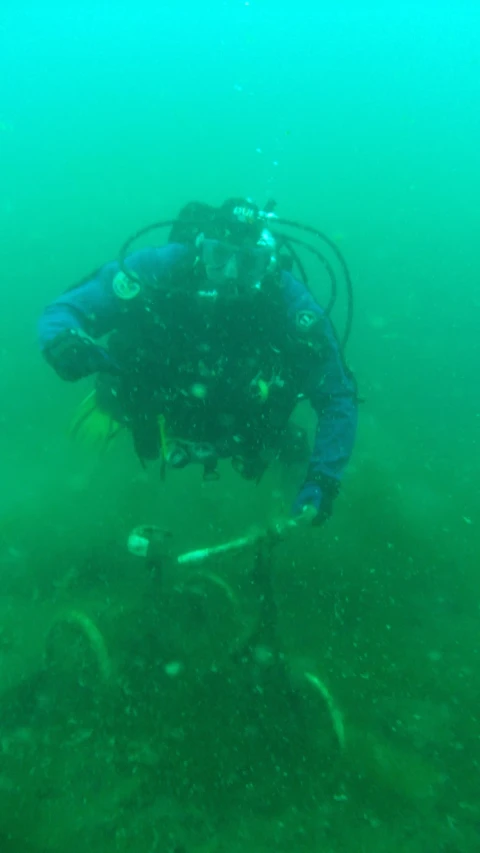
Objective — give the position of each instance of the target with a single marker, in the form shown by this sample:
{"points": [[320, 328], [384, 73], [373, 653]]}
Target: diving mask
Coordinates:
{"points": [[237, 269]]}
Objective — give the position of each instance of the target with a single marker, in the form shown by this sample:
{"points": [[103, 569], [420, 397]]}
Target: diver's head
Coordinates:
{"points": [[235, 270], [236, 251]]}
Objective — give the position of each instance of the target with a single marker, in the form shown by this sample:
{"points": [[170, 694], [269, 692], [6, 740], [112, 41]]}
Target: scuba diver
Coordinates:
{"points": [[211, 341]]}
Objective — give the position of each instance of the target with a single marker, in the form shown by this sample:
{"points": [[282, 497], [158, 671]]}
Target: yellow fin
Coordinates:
{"points": [[91, 426]]}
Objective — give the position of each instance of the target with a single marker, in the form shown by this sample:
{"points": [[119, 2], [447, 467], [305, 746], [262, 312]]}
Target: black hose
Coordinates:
{"points": [[341, 260], [287, 240], [284, 243], [323, 260], [133, 238]]}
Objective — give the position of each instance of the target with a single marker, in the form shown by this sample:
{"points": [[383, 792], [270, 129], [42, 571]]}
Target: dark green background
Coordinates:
{"points": [[362, 120]]}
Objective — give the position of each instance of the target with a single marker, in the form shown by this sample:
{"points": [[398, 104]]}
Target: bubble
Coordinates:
{"points": [[198, 390], [263, 655], [173, 668]]}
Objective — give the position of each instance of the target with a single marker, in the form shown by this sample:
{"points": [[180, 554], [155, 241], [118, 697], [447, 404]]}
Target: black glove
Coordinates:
{"points": [[319, 492], [73, 355]]}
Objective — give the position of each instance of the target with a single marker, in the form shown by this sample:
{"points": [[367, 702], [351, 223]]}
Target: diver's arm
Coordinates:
{"points": [[69, 326], [333, 395]]}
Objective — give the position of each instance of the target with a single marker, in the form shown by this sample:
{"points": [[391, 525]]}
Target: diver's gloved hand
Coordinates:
{"points": [[318, 493], [73, 355]]}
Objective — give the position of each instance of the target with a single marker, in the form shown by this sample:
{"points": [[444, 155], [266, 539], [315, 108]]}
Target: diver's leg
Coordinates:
{"points": [[112, 397]]}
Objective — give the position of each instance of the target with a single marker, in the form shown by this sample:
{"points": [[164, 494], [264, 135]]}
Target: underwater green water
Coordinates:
{"points": [[321, 696]]}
